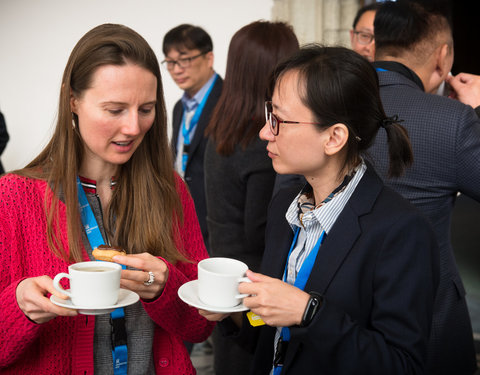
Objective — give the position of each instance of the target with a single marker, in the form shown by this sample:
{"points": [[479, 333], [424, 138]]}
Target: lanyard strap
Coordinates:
{"points": [[305, 270], [119, 334], [186, 131], [300, 282]]}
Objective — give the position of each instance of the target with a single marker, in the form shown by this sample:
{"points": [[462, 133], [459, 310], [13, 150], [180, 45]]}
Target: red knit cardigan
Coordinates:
{"points": [[64, 345]]}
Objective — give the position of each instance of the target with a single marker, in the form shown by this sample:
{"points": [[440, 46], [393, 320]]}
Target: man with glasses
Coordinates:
{"points": [[361, 36], [188, 54]]}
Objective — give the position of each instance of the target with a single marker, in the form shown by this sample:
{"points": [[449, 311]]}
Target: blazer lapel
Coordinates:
{"points": [[334, 250], [205, 116], [346, 230]]}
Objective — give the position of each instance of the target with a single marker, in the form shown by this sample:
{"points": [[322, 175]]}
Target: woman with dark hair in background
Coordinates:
{"points": [[239, 176], [3, 138], [350, 268], [109, 151]]}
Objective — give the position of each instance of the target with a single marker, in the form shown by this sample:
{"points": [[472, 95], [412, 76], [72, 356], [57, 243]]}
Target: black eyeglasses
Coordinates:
{"points": [[274, 121], [183, 63], [363, 37]]}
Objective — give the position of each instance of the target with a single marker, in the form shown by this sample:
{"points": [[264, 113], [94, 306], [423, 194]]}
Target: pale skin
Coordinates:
{"points": [[466, 88], [193, 78], [297, 149], [114, 116], [365, 25]]}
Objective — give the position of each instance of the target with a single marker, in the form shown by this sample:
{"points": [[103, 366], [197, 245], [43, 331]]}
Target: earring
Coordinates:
{"points": [[73, 121]]}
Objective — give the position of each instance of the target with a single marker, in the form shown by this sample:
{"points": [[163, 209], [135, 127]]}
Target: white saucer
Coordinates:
{"points": [[188, 293], [125, 298]]}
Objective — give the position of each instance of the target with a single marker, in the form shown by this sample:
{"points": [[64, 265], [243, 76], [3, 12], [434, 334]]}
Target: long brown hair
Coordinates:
{"points": [[145, 208], [254, 51]]}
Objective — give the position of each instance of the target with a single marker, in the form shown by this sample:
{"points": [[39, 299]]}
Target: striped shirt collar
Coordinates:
{"points": [[327, 214], [90, 186], [189, 104]]}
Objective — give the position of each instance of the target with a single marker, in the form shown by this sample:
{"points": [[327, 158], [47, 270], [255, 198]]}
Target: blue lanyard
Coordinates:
{"points": [[381, 70], [193, 123], [119, 352], [301, 279]]}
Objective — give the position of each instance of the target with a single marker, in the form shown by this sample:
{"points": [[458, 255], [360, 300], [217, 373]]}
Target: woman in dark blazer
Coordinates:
{"points": [[350, 268]]}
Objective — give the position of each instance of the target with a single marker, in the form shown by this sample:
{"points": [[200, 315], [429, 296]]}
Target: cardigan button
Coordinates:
{"points": [[163, 362]]}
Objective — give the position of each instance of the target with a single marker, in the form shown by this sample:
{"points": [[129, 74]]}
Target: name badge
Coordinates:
{"points": [[255, 319]]}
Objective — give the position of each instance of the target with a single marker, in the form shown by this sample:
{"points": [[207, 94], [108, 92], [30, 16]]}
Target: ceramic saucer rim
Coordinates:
{"points": [[98, 310], [200, 305]]}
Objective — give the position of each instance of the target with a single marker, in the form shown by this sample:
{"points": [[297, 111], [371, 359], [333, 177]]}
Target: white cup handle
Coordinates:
{"points": [[243, 280], [56, 283]]}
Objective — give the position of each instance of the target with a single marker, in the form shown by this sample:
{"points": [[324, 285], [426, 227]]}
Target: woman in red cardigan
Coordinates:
{"points": [[110, 143]]}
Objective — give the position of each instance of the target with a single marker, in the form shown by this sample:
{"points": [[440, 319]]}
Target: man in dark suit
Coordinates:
{"points": [[189, 60], [414, 53]]}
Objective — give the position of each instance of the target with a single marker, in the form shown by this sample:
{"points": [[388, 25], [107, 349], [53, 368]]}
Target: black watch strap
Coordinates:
{"points": [[313, 305]]}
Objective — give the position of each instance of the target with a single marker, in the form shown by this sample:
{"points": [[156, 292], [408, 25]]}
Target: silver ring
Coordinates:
{"points": [[151, 279]]}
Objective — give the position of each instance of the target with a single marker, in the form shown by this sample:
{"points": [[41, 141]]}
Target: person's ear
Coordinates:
{"points": [[73, 102], [442, 60], [446, 60], [351, 37], [209, 56], [337, 138]]}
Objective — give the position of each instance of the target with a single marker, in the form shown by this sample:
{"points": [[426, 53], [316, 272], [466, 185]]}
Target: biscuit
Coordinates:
{"points": [[106, 253]]}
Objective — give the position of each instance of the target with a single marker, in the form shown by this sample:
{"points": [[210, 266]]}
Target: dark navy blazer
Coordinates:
{"points": [[445, 137], [378, 271]]}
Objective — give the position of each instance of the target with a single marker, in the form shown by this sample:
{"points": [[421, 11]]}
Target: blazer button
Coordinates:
{"points": [[188, 179], [163, 362]]}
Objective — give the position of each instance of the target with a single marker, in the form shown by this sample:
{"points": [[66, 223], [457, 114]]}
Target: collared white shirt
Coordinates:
{"points": [[315, 222]]}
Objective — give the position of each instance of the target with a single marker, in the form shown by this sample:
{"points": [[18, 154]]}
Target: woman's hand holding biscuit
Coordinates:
{"points": [[149, 276]]}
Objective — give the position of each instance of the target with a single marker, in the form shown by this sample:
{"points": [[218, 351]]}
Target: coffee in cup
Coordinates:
{"points": [[218, 280], [93, 284]]}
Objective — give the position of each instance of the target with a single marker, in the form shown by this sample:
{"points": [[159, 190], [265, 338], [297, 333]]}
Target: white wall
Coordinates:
{"points": [[37, 36]]}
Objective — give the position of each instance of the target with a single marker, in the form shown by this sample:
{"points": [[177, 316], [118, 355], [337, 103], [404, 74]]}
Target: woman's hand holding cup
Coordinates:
{"points": [[279, 304], [32, 299]]}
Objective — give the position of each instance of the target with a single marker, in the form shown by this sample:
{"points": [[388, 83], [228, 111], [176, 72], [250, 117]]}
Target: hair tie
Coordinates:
{"points": [[387, 121]]}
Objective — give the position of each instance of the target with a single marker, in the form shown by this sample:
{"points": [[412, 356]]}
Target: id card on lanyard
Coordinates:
{"points": [[300, 282], [119, 342], [187, 129]]}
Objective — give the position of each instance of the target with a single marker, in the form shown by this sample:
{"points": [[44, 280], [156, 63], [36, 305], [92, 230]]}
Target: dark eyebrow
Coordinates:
{"points": [[152, 102]]}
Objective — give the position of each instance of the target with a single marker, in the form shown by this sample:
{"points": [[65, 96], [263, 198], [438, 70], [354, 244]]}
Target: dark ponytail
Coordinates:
{"points": [[399, 147]]}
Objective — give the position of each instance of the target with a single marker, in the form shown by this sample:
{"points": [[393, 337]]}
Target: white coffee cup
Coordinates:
{"points": [[92, 284], [218, 280]]}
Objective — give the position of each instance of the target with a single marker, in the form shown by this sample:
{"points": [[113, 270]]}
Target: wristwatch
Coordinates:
{"points": [[313, 305]]}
